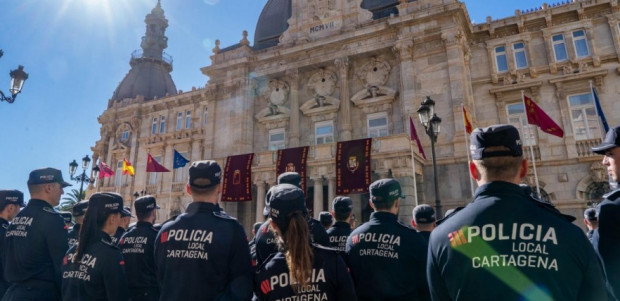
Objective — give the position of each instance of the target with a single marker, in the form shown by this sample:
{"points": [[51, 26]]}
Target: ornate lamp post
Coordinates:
{"points": [[18, 78], [432, 126], [83, 178]]}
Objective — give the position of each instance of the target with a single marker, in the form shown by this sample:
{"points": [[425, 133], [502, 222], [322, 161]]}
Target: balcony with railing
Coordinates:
{"points": [[584, 147]]}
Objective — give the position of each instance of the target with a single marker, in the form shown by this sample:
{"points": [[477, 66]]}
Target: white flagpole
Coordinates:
{"points": [[471, 180], [531, 146], [415, 182]]}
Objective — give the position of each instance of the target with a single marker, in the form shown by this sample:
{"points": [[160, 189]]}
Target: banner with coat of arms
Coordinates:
{"points": [[293, 160], [353, 166], [237, 186]]}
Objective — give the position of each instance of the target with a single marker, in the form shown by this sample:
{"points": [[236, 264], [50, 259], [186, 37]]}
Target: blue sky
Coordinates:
{"points": [[77, 51]]}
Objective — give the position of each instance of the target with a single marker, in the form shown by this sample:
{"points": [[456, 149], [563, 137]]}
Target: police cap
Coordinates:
{"points": [[11, 197], [109, 202], [284, 199], [326, 218], [79, 209], [497, 135], [204, 174], [146, 204], [424, 214], [385, 191], [45, 176], [292, 178], [342, 205], [612, 139]]}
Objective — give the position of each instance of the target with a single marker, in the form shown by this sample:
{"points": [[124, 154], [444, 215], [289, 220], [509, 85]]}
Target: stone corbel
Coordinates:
{"points": [[404, 49]]}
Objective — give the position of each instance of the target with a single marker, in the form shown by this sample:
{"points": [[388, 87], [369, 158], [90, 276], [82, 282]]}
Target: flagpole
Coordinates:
{"points": [[471, 180], [415, 182], [531, 146]]}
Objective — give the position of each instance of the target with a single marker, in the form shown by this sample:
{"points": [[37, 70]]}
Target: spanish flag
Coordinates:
{"points": [[127, 168], [468, 126]]}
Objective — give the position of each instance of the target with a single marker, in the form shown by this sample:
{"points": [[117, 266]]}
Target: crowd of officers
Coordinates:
{"points": [[505, 245]]}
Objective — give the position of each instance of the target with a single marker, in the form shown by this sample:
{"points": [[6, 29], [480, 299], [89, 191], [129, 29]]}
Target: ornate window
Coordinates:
{"points": [[581, 44], [500, 59], [517, 118], [162, 124], [277, 139], [125, 136], [377, 125], [583, 117], [559, 48], [519, 55], [324, 132], [188, 119], [154, 127], [179, 121]]}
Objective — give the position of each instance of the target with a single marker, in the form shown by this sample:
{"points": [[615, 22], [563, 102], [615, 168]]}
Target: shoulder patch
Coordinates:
{"points": [[223, 215], [50, 210], [612, 195]]}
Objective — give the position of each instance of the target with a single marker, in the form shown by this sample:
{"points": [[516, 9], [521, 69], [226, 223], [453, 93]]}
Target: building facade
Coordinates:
{"points": [[319, 72]]}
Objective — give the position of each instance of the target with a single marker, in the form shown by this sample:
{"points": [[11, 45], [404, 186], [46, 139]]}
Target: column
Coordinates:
{"points": [[345, 99], [318, 196], [260, 200], [293, 79], [331, 190], [405, 179]]}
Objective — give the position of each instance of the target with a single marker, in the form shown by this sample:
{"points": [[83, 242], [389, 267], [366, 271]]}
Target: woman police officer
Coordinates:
{"points": [[94, 268], [299, 268]]}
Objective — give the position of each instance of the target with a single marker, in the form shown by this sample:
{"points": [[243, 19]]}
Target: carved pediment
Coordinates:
{"points": [[273, 121], [320, 105], [276, 95]]}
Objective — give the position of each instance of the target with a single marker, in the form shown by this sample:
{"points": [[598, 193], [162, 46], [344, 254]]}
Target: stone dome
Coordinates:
{"points": [[147, 77], [273, 19]]}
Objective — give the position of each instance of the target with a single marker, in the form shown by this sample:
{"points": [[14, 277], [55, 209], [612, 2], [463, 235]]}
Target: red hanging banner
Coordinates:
{"points": [[293, 160], [353, 166], [237, 186]]}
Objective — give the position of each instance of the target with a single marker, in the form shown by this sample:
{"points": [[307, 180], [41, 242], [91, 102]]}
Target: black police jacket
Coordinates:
{"points": [[606, 239], [74, 235], [36, 242], [203, 255], [507, 246], [99, 275], [266, 240], [338, 234], [138, 246], [117, 236], [330, 279], [4, 285], [387, 260]]}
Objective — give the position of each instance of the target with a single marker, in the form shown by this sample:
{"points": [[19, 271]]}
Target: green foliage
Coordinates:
{"points": [[70, 199]]}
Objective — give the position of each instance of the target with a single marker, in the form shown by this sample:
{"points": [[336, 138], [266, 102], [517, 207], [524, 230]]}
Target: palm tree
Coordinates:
{"points": [[71, 198]]}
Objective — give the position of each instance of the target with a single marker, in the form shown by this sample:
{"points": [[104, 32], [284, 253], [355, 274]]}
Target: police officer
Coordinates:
{"points": [[387, 258], [10, 202], [505, 245], [137, 246], [203, 254], [326, 219], [78, 211], [591, 220], [93, 269], [606, 238], [424, 220], [252, 243], [123, 225], [36, 241], [265, 239], [342, 210], [303, 271]]}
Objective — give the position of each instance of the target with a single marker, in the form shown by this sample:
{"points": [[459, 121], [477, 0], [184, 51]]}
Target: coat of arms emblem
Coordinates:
{"points": [[290, 167], [353, 164]]}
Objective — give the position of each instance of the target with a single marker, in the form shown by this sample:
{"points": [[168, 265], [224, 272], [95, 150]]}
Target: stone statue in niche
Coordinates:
{"points": [[322, 85], [374, 76], [321, 9], [276, 95]]}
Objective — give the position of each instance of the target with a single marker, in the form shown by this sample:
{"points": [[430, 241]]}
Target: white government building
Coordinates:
{"points": [[323, 71]]}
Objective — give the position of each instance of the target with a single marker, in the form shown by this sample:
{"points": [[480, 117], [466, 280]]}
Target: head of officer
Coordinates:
{"points": [[125, 217], [326, 219], [290, 177], [590, 218], [610, 149], [68, 218], [146, 209], [342, 209], [102, 215], [424, 218], [385, 195], [287, 214], [204, 181], [46, 184], [255, 228], [497, 155], [78, 211], [10, 203]]}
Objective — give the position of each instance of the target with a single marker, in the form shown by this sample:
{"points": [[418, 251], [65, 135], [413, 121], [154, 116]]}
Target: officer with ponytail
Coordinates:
{"points": [[94, 268], [301, 270]]}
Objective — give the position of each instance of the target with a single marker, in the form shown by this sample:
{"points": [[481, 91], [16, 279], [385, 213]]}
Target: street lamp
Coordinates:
{"points": [[18, 78], [83, 178], [432, 127]]}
